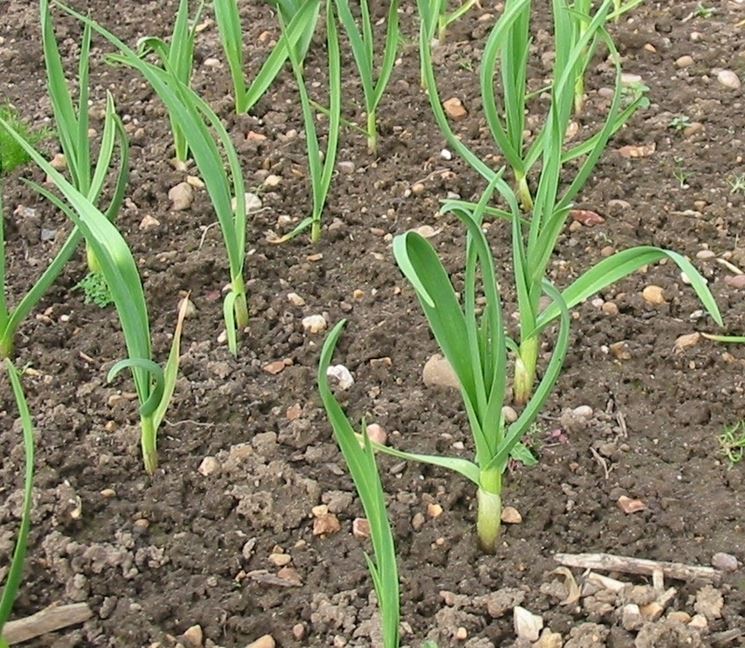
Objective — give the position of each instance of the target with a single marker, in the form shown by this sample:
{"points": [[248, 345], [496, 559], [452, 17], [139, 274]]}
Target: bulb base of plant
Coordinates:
{"points": [[489, 515], [241, 305], [525, 370], [523, 192], [93, 264], [372, 133], [148, 442]]}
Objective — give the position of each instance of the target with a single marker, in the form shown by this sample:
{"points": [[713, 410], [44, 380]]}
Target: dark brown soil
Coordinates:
{"points": [[153, 557]]}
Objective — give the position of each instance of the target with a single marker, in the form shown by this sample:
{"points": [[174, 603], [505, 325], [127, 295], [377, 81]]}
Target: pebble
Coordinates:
{"points": [[628, 505], [280, 559], [509, 414], [705, 254], [454, 108], [631, 617], [252, 202], [272, 181], [461, 634], [445, 154], [686, 341], [342, 375], [148, 223], [698, 622], [729, 79], [549, 639], [709, 602], [267, 641], [326, 524], [194, 636], [510, 515], [528, 626], [417, 522], [738, 281], [437, 372], [434, 510], [684, 61], [212, 62], [314, 324], [620, 350], [653, 295], [295, 299], [583, 411], [209, 466], [610, 309], [346, 167], [58, 162], [377, 433], [724, 561], [360, 528], [196, 182], [298, 631], [181, 196]]}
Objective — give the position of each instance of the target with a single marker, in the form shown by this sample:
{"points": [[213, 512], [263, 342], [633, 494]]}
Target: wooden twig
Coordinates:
{"points": [[624, 564], [55, 617]]}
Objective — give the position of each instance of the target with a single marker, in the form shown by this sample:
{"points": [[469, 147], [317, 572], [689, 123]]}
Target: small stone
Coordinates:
{"points": [[454, 108], [631, 617], [181, 196], [275, 367], [509, 414], [251, 201], [314, 324], [194, 636], [724, 561], [295, 299], [653, 295], [426, 231], [684, 61], [510, 515], [445, 154], [549, 639], [528, 626], [687, 341], [583, 411], [59, 162], [678, 616], [692, 129], [652, 611], [610, 309], [628, 505], [417, 188], [434, 510], [280, 559], [108, 493], [298, 631], [698, 622], [377, 433], [346, 167], [290, 575], [361, 528], [209, 466], [326, 524], [148, 222], [196, 182], [417, 522], [705, 254], [586, 217], [272, 181], [341, 375], [729, 79], [620, 350], [738, 281], [212, 62], [709, 602], [437, 372], [631, 151], [607, 251], [461, 634], [266, 641]]}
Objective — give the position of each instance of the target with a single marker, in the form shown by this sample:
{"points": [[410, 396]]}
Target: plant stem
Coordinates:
{"points": [[372, 132], [525, 369], [523, 192], [489, 515], [315, 231], [579, 94], [148, 441], [6, 344]]}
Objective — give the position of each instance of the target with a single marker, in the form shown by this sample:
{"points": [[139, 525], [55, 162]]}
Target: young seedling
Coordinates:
{"points": [[471, 333], [732, 442], [679, 122], [178, 54], [704, 12], [15, 571], [72, 124], [206, 136], [362, 42], [300, 28], [154, 385], [681, 175], [360, 458], [737, 184], [320, 166], [548, 209]]}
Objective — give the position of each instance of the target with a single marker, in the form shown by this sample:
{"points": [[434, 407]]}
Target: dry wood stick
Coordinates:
{"points": [[611, 562], [55, 617]]}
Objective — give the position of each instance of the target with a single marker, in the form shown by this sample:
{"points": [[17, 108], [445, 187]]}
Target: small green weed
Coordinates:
{"points": [[681, 175], [737, 184], [679, 122], [732, 442], [704, 12], [12, 154], [95, 290]]}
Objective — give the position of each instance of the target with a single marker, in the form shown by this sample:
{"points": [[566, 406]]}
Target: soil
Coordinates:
{"points": [[155, 556]]}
